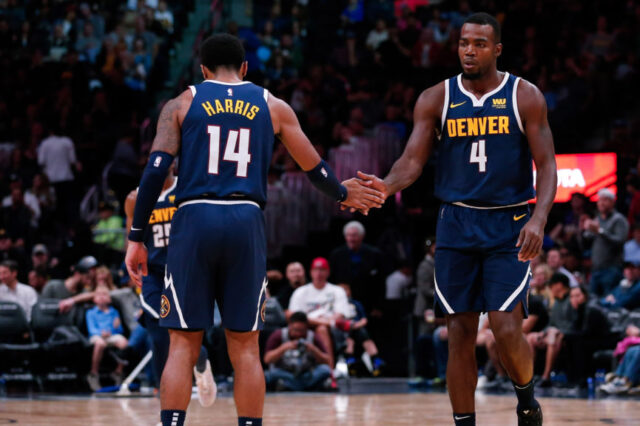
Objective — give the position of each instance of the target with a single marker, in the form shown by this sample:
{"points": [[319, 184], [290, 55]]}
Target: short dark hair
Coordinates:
{"points": [[559, 278], [298, 317], [222, 50], [482, 18], [11, 264]]}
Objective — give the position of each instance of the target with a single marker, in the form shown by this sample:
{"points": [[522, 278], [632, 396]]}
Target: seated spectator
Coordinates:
{"points": [[362, 266], [17, 218], [555, 260], [323, 303], [40, 259], [13, 291], [296, 278], [354, 324], [609, 232], [627, 293], [109, 231], [297, 359], [559, 322], [626, 378], [537, 320], [105, 329], [30, 200], [589, 332], [38, 279], [632, 247], [78, 288], [43, 192], [538, 284], [627, 375], [10, 250], [398, 282]]}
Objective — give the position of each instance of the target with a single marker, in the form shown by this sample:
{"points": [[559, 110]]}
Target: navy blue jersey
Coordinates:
{"points": [[227, 143], [156, 236], [483, 157]]}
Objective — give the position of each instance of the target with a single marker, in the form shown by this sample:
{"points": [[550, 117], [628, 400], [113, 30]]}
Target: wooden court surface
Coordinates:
{"points": [[319, 409]]}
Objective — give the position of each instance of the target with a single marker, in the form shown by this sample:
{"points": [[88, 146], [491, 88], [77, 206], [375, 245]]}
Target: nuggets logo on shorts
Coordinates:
{"points": [[263, 309], [165, 307]]}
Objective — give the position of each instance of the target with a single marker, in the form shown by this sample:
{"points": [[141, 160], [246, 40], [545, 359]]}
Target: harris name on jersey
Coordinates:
{"points": [[231, 106]]}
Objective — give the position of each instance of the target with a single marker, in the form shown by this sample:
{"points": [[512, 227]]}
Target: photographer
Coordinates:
{"points": [[296, 358]]}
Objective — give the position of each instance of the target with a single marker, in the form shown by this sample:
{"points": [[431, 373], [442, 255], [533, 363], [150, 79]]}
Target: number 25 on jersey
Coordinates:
{"points": [[236, 150]]}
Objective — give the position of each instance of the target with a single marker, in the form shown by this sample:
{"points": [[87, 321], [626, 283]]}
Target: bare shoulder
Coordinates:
{"points": [[182, 103], [279, 110], [530, 98], [430, 101]]}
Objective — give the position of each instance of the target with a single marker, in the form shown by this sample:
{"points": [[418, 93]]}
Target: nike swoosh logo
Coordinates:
{"points": [[460, 418], [452, 106], [135, 229], [517, 218]]}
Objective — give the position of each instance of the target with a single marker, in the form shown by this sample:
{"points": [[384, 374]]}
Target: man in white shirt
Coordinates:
{"points": [[323, 302], [13, 291], [57, 156]]}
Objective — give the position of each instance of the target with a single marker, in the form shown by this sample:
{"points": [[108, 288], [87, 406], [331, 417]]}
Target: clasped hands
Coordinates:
{"points": [[364, 192]]}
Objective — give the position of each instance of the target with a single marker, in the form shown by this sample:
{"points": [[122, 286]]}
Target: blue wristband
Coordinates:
{"points": [[323, 178], [150, 188]]}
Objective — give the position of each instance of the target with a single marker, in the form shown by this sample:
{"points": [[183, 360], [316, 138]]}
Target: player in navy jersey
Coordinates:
{"points": [[156, 240], [223, 131], [485, 126]]}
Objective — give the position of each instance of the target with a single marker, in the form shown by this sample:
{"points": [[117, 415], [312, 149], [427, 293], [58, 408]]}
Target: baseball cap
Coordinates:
{"points": [[39, 249], [606, 193], [320, 262], [86, 263]]}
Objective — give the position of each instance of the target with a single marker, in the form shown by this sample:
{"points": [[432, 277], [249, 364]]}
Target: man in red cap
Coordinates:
{"points": [[324, 303]]}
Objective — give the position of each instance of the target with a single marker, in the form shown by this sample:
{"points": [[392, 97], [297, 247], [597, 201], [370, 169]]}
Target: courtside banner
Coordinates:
{"points": [[584, 173]]}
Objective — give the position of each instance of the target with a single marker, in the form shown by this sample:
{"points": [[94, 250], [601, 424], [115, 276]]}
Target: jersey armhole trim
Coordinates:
{"points": [[193, 90], [266, 95], [514, 97], [445, 107]]}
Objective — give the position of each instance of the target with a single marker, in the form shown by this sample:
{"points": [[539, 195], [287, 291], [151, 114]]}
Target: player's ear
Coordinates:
{"points": [[498, 49], [243, 69]]}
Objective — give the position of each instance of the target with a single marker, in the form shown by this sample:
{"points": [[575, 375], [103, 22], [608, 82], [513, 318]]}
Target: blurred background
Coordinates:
{"points": [[82, 84]]}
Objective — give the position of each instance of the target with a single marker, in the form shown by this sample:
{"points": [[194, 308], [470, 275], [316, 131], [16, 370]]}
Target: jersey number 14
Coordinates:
{"points": [[478, 155], [236, 150]]}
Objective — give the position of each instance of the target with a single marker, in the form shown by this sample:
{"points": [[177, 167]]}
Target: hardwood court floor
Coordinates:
{"points": [[318, 409]]}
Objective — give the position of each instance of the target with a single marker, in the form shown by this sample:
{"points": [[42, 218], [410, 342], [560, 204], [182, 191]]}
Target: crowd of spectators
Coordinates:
{"points": [[78, 81]]}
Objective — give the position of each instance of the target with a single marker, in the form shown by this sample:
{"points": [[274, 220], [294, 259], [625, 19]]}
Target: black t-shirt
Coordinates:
{"points": [[536, 307]]}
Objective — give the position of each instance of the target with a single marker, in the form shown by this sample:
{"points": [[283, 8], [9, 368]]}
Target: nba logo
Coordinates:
{"points": [[229, 92], [157, 161]]}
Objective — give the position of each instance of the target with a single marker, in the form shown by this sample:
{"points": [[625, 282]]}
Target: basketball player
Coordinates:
{"points": [[223, 131], [156, 240], [490, 124]]}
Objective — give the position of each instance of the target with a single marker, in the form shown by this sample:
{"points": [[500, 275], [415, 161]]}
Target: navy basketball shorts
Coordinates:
{"points": [[217, 252], [152, 286], [476, 262]]}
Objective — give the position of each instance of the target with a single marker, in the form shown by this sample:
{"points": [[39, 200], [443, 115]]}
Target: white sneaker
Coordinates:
{"points": [[207, 389]]}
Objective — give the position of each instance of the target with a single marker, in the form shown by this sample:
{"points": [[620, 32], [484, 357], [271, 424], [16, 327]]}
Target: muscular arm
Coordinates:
{"points": [[533, 110], [287, 128], [426, 115], [168, 130]]}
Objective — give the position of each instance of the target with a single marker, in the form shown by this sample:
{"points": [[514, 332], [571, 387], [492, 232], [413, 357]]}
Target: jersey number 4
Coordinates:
{"points": [[236, 150], [478, 155]]}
